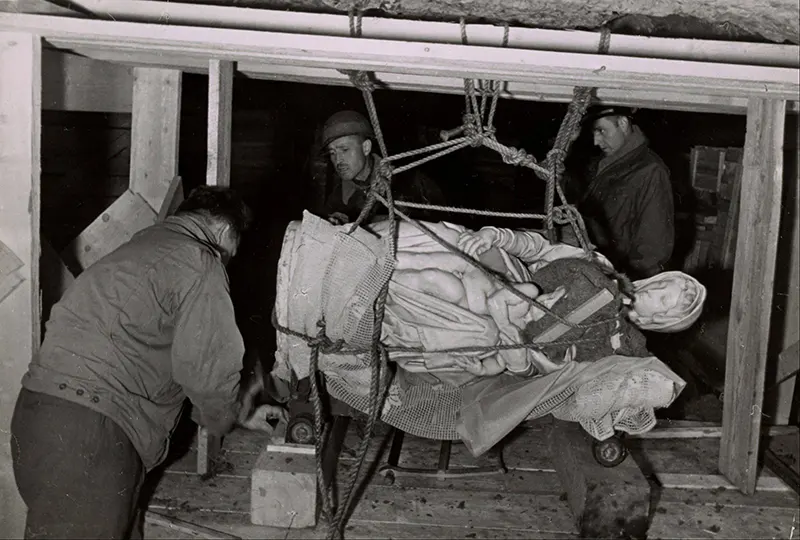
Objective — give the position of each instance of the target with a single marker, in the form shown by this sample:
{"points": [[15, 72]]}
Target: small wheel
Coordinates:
{"points": [[609, 453], [301, 430]]}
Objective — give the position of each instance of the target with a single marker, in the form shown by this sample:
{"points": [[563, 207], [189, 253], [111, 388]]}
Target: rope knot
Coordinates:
{"points": [[323, 342], [514, 156], [555, 158], [564, 214]]}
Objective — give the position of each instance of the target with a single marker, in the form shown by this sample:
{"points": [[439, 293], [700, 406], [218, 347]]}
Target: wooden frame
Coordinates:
{"points": [[20, 133], [693, 85]]}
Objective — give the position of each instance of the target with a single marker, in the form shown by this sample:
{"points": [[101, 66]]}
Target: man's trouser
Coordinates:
{"points": [[76, 470]]}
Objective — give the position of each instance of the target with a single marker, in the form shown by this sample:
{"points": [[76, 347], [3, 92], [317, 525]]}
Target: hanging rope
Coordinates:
{"points": [[473, 132]]}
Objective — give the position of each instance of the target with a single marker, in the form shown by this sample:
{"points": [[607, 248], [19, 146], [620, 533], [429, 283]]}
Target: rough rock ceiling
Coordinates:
{"points": [[775, 21]]}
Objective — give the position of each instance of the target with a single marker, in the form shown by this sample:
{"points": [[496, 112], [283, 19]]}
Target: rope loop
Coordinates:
{"points": [[555, 160], [514, 156]]}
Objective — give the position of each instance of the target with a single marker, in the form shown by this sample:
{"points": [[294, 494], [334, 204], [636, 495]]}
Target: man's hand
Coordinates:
{"points": [[259, 420], [338, 218], [476, 243]]}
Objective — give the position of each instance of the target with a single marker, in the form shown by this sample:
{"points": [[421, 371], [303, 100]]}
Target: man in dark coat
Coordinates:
{"points": [[628, 203], [347, 137]]}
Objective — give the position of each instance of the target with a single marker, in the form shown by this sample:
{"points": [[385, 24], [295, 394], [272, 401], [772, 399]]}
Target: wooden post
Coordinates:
{"points": [[753, 276], [155, 129], [218, 173], [606, 502], [220, 114], [20, 130]]}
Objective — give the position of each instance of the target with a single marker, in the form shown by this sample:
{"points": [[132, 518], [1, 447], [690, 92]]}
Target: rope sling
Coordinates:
{"points": [[480, 103]]}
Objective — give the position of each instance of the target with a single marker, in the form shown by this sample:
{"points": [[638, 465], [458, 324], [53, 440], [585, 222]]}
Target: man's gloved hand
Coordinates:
{"points": [[338, 218]]}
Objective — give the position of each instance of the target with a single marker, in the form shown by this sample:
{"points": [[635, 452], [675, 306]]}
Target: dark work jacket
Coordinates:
{"points": [[411, 186], [628, 209], [142, 329]]}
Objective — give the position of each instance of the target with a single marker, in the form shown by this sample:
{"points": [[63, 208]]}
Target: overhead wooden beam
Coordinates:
{"points": [[676, 101], [398, 29], [753, 281], [445, 60], [155, 128], [20, 133], [220, 114]]}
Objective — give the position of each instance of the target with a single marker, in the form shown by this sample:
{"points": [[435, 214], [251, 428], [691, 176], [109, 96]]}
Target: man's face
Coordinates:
{"points": [[228, 242], [348, 155], [610, 133]]}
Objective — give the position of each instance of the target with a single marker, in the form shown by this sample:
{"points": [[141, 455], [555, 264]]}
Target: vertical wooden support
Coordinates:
{"points": [[751, 304], [155, 129], [218, 173], [220, 114], [20, 133]]}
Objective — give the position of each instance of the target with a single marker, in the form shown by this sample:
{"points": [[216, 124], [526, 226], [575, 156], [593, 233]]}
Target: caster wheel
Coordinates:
{"points": [[300, 430], [385, 478], [609, 453]]}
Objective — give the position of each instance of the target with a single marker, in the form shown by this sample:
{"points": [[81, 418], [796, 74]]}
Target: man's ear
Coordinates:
{"points": [[624, 123], [366, 146]]}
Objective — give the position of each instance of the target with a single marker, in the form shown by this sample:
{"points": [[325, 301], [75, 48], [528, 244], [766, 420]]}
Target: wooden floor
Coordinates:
{"points": [[691, 500]]}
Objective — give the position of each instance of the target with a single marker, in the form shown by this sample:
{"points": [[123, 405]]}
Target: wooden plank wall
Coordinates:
{"points": [[20, 126]]}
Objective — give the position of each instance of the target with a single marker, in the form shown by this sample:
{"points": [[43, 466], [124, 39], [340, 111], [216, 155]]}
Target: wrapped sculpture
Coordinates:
{"points": [[455, 329]]}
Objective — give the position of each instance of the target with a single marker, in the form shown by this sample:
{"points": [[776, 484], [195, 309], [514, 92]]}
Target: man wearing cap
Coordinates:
{"points": [[628, 204], [347, 137]]}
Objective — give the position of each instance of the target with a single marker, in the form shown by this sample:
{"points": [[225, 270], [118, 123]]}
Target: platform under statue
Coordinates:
{"points": [[586, 360]]}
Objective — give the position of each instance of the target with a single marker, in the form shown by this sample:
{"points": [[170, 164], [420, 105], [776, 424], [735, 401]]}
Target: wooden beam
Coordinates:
{"points": [[397, 29], [218, 173], [172, 200], [446, 60], [125, 217], [55, 278], [606, 502], [753, 277], [678, 101], [75, 83], [220, 114], [20, 155], [155, 128]]}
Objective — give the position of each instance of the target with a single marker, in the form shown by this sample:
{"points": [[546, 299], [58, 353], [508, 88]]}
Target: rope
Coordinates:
{"points": [[472, 211]]}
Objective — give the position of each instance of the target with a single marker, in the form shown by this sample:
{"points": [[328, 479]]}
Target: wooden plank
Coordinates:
{"points": [[682, 520], [605, 502], [20, 133], [154, 132], [753, 282], [220, 115], [486, 34], [55, 278], [172, 199], [125, 217], [507, 64], [208, 452], [716, 481], [75, 83], [535, 512], [526, 91]]}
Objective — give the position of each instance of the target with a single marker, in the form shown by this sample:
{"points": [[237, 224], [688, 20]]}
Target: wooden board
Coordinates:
{"points": [[125, 217], [753, 282], [154, 132], [605, 502], [220, 115], [20, 136]]}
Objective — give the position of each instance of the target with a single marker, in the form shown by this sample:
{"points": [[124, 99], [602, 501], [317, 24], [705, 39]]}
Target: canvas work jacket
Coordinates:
{"points": [[142, 329], [628, 209]]}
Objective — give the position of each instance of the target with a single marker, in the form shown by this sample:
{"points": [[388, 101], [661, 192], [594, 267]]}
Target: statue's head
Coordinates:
{"points": [[667, 302]]}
